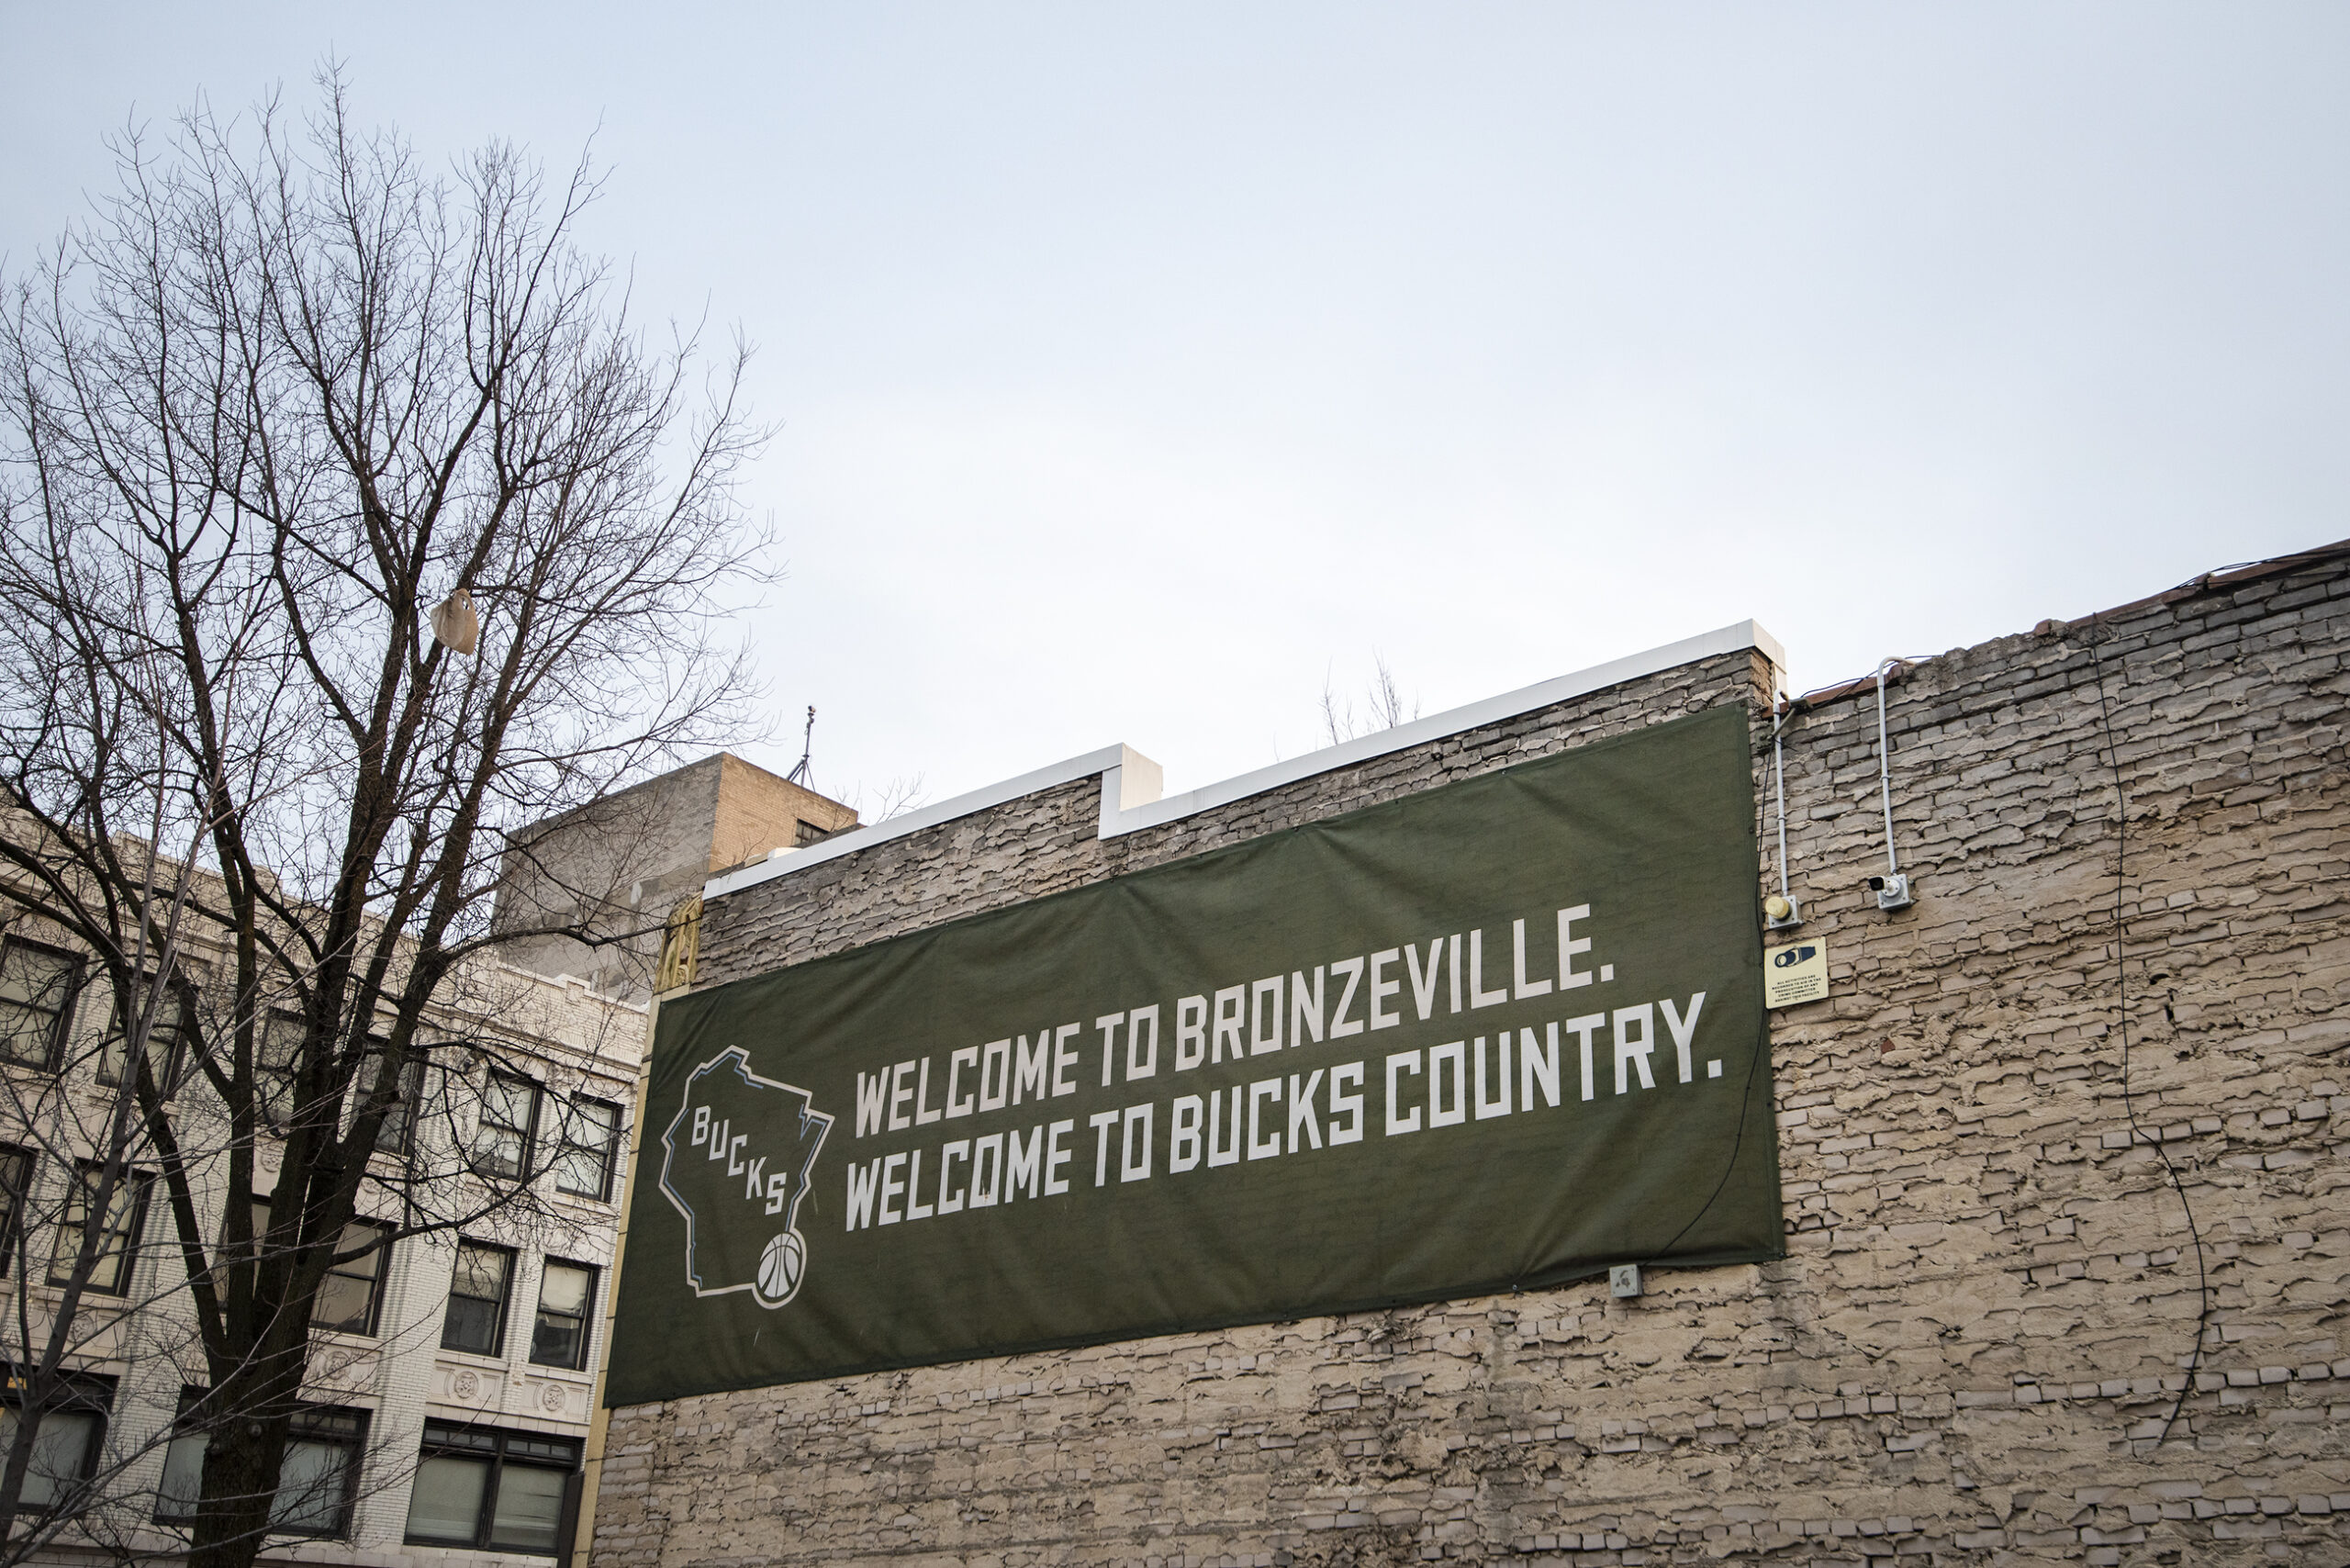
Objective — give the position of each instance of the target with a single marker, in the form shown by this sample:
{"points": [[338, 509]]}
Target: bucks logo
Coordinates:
{"points": [[738, 1153]]}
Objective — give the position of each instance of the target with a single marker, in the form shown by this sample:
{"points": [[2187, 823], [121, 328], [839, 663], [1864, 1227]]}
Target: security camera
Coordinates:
{"points": [[1892, 890]]}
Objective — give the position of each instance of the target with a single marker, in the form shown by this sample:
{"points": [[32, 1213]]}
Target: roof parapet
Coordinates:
{"points": [[1134, 782]]}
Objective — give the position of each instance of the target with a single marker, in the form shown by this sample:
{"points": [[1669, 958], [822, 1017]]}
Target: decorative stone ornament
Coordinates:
{"points": [[680, 943]]}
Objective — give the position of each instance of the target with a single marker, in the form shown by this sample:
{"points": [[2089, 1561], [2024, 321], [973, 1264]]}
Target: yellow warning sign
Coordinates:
{"points": [[1795, 973]]}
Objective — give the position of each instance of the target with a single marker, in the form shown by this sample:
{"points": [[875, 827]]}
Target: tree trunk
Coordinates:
{"points": [[240, 1470], [246, 1450], [19, 1465]]}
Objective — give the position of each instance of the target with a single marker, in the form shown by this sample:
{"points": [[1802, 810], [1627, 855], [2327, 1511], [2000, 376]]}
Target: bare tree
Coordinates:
{"points": [[894, 797], [285, 394], [1382, 707]]}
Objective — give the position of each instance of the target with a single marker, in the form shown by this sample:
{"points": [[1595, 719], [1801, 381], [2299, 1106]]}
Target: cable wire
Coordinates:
{"points": [[2121, 1008]]}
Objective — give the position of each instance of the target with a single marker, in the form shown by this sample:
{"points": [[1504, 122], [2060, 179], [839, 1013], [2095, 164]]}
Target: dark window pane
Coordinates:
{"points": [[275, 1046], [183, 1482], [500, 1152], [400, 1122], [448, 1434], [165, 1035], [477, 1299], [529, 1508], [36, 985], [61, 1456], [16, 1175], [117, 1232], [343, 1304], [584, 1163], [324, 1422], [560, 1338], [557, 1341], [445, 1504], [562, 1451], [346, 1299], [472, 1325], [502, 1135], [313, 1484]]}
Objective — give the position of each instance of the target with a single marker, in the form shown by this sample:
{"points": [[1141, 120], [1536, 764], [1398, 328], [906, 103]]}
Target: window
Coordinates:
{"points": [[353, 1291], [315, 1481], [183, 1484], [64, 1451], [118, 1230], [65, 1448], [165, 1037], [567, 1291], [276, 1046], [481, 1487], [476, 1319], [400, 1123], [15, 1184], [805, 833], [588, 1136], [509, 1111], [36, 999]]}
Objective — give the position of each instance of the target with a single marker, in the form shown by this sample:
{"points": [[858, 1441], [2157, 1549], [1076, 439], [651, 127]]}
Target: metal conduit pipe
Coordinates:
{"points": [[1884, 771], [1781, 912], [1892, 889]]}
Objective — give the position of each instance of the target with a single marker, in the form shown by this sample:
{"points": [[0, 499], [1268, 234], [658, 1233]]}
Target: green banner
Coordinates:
{"points": [[1500, 1034]]}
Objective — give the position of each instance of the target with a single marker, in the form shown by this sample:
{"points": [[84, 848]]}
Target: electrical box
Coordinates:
{"points": [[1892, 891], [1624, 1280]]}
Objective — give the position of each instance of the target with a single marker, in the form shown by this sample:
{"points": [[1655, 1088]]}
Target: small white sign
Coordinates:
{"points": [[1795, 973]]}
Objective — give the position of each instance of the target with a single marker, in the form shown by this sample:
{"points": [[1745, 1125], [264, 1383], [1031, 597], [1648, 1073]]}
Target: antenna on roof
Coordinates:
{"points": [[800, 775]]}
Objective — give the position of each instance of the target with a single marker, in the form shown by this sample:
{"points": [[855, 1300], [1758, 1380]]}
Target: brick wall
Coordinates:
{"points": [[619, 866], [1991, 1296], [757, 811], [1047, 841]]}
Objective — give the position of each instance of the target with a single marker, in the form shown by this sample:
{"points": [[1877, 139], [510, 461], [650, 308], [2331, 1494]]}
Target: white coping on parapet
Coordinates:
{"points": [[1133, 781]]}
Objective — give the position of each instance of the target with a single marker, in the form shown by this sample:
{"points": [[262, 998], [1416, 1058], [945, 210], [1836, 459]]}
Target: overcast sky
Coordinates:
{"points": [[1142, 367]]}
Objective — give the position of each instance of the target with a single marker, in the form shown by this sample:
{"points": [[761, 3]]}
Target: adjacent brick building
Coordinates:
{"points": [[616, 870], [2122, 993]]}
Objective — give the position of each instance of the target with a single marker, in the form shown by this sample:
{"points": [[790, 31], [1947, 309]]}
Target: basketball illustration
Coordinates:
{"points": [[779, 1267]]}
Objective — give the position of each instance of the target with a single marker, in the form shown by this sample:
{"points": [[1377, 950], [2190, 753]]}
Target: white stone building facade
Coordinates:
{"points": [[452, 1377]]}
